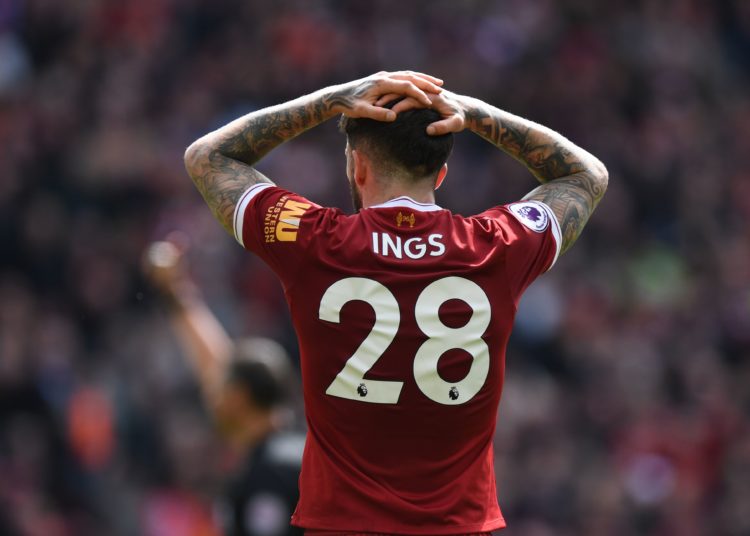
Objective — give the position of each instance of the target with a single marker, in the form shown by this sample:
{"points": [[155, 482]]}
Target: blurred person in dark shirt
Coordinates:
{"points": [[244, 385]]}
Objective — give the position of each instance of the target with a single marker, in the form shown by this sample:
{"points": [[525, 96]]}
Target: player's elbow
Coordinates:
{"points": [[600, 176], [196, 157]]}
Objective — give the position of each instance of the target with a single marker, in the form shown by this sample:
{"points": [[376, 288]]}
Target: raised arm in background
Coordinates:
{"points": [[573, 180], [200, 334], [221, 163]]}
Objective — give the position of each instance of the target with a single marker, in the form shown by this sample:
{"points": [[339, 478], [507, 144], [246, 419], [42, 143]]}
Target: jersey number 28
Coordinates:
{"points": [[350, 382]]}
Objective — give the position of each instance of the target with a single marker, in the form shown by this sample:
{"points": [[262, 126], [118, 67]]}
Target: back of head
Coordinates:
{"points": [[262, 368], [401, 147]]}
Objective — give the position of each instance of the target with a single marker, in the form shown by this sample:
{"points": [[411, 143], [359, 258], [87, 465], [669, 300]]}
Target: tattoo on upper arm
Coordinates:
{"points": [[573, 182], [221, 164], [222, 180], [572, 199]]}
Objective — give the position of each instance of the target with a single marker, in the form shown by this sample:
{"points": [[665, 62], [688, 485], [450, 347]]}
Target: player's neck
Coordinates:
{"points": [[419, 195]]}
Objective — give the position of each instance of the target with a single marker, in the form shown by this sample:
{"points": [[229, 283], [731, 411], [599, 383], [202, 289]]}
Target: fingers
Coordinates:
{"points": [[385, 99], [405, 88], [407, 83], [422, 81], [426, 82], [416, 90], [378, 113], [453, 123], [430, 78], [408, 103]]}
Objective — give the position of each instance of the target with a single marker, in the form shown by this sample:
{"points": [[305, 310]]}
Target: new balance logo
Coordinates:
{"points": [[288, 224]]}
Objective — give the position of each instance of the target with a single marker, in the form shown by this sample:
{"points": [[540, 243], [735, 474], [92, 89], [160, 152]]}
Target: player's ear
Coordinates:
{"points": [[441, 176], [361, 166]]}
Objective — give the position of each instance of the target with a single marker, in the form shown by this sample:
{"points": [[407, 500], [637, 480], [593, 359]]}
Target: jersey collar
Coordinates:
{"points": [[408, 202]]}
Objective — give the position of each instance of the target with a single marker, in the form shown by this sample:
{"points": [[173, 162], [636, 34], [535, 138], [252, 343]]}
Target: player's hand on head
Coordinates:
{"points": [[447, 104], [449, 107], [359, 98]]}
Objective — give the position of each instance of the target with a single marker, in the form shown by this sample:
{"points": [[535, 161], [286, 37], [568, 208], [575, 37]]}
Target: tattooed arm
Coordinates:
{"points": [[573, 180], [221, 163]]}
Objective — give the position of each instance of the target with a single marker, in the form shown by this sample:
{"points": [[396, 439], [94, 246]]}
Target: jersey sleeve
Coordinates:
{"points": [[532, 238], [274, 224]]}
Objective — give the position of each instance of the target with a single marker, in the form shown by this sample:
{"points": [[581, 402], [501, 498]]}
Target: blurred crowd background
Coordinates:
{"points": [[626, 404]]}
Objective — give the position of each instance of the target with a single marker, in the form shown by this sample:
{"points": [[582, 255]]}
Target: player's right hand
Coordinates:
{"points": [[358, 98], [446, 103]]}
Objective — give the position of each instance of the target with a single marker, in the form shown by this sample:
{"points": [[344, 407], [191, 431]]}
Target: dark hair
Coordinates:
{"points": [[403, 143], [261, 367]]}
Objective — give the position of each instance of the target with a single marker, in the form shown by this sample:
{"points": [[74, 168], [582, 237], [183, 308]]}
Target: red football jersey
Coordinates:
{"points": [[403, 312]]}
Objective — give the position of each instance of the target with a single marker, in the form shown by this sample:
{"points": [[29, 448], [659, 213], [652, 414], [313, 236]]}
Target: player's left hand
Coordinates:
{"points": [[359, 98]]}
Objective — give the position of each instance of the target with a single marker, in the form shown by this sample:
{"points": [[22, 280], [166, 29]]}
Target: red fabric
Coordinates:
{"points": [[414, 465]]}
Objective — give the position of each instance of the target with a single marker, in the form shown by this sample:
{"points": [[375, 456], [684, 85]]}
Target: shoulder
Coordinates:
{"points": [[533, 216], [276, 214]]}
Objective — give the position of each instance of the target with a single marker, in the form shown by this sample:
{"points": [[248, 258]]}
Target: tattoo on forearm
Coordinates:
{"points": [[250, 138], [221, 163], [548, 155]]}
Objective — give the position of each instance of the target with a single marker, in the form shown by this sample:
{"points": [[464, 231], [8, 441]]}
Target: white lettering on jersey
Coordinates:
{"points": [[393, 245], [434, 240], [389, 245], [419, 248]]}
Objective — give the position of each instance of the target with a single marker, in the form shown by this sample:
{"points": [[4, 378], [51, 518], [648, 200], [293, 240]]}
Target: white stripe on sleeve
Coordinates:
{"points": [[556, 232], [239, 210]]}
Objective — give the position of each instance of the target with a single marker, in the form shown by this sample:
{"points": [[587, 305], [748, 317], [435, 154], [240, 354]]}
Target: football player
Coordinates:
{"points": [[403, 310]]}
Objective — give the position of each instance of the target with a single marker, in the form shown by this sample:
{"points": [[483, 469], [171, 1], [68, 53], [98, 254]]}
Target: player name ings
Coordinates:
{"points": [[416, 247]]}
